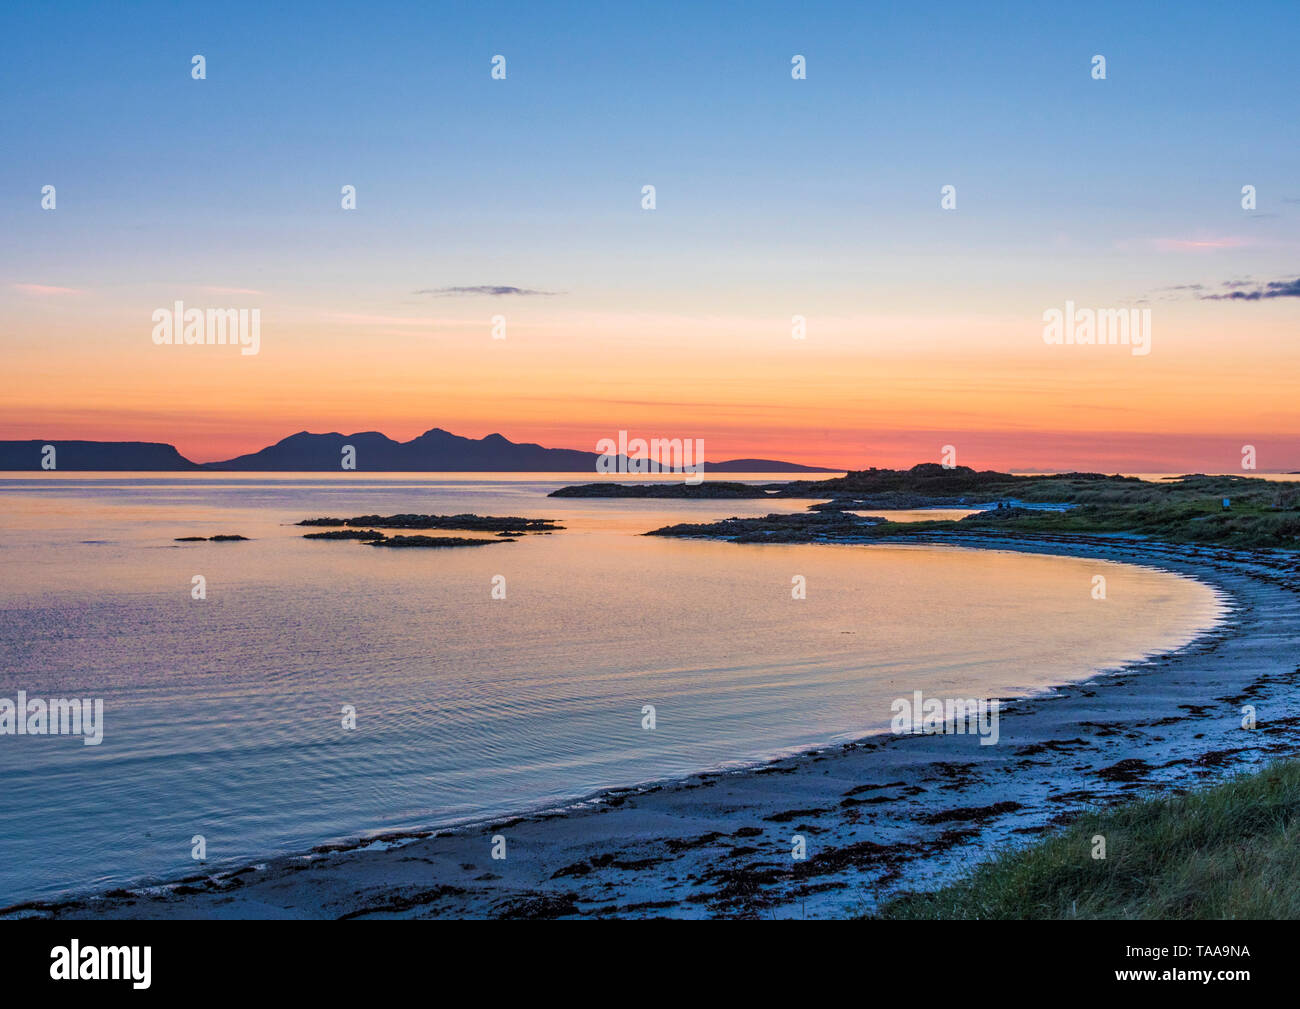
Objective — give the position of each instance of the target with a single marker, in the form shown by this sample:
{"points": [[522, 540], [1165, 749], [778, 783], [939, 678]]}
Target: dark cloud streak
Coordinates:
{"points": [[491, 290], [1273, 289]]}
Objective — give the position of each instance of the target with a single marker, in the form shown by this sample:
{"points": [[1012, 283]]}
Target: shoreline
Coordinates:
{"points": [[718, 843]]}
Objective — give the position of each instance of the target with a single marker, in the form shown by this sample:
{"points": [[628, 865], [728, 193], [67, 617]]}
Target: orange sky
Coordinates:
{"points": [[858, 390]]}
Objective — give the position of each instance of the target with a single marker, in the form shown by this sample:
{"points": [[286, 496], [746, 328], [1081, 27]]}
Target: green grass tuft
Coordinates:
{"points": [[1227, 852]]}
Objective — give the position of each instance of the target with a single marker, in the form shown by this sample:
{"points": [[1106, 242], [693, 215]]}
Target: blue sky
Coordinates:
{"points": [[599, 99]]}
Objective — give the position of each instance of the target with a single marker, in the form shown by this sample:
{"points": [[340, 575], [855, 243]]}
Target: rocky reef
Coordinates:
{"points": [[432, 541], [778, 528], [707, 490], [511, 525]]}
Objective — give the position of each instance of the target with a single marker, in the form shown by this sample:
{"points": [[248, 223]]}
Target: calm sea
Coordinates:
{"points": [[223, 716]]}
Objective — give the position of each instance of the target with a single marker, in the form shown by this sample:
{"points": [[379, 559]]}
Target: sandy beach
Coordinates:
{"points": [[879, 816]]}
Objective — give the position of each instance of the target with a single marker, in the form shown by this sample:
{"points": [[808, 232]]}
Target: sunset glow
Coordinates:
{"points": [[923, 325]]}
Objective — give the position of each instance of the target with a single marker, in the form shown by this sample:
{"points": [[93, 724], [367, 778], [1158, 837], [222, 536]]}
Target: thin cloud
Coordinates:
{"points": [[1273, 289], [1198, 244], [45, 290], [491, 290]]}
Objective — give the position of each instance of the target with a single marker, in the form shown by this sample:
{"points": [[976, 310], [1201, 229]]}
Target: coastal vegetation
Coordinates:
{"points": [[1227, 511], [1230, 851]]}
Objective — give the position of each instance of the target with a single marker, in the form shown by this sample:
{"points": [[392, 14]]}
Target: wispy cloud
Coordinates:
{"points": [[45, 290], [1199, 244], [491, 290], [1243, 291]]}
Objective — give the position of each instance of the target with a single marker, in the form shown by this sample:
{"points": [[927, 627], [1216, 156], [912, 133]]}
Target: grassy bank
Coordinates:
{"points": [[1189, 510], [1231, 851], [1261, 514]]}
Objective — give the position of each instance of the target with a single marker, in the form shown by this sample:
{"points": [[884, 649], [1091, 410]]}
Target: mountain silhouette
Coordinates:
{"points": [[435, 451], [93, 455]]}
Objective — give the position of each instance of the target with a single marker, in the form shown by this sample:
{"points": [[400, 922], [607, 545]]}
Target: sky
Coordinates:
{"points": [[775, 197]]}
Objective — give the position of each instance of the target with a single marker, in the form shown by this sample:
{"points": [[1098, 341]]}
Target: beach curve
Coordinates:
{"points": [[878, 816]]}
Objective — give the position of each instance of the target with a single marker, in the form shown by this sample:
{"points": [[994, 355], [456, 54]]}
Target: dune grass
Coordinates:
{"points": [[1231, 851]]}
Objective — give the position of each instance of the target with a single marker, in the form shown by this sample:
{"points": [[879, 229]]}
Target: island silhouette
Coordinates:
{"points": [[434, 451]]}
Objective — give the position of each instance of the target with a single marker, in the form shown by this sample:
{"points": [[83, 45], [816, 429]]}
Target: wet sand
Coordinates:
{"points": [[885, 814]]}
